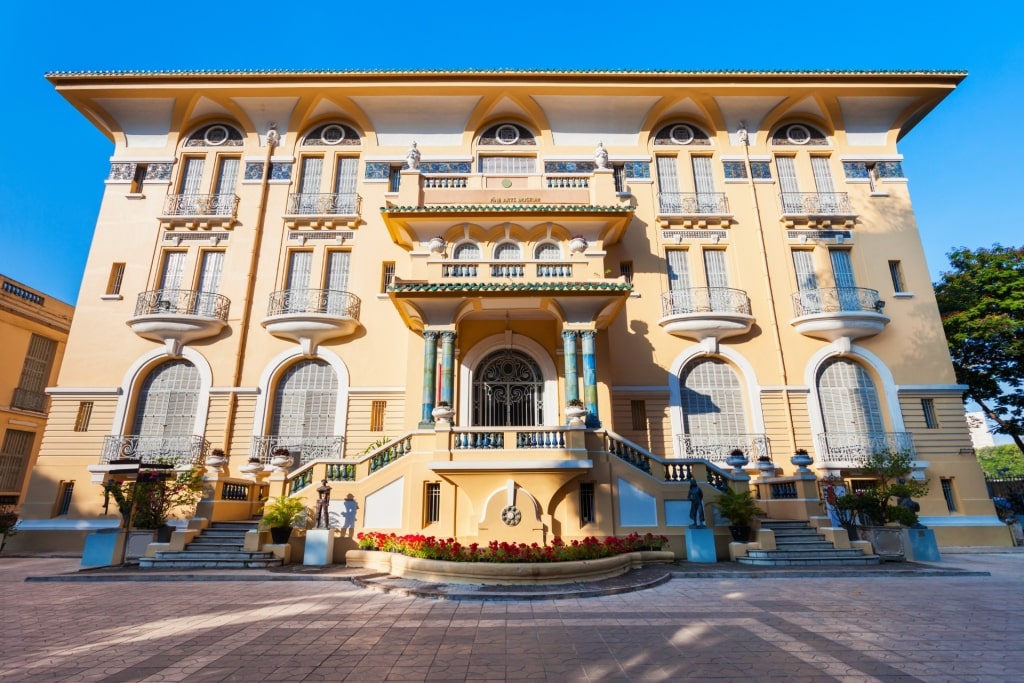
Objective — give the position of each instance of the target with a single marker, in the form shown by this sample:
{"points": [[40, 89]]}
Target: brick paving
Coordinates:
{"points": [[880, 626]]}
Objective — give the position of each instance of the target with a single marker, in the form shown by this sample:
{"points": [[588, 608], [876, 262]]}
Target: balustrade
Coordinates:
{"points": [[699, 203], [851, 449], [836, 300], [717, 447], [326, 301], [201, 205], [182, 302], [705, 300], [820, 203], [303, 449], [330, 204], [177, 451]]}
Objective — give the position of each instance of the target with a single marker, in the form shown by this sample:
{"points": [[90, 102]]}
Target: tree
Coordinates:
{"points": [[1001, 461], [982, 305]]}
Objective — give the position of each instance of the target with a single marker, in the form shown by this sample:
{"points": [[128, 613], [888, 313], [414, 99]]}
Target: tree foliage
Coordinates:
{"points": [[874, 506], [982, 305], [1001, 461]]}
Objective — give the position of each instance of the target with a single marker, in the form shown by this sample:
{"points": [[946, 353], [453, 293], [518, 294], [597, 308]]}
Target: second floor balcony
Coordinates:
{"points": [[204, 211], [328, 210], [24, 399], [838, 450], [312, 316], [693, 209], [179, 316], [706, 313], [717, 447], [815, 209], [176, 451], [302, 449], [832, 313]]}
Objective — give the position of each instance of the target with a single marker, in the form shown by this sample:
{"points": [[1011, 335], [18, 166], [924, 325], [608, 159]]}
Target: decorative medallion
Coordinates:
{"points": [[506, 183], [511, 516]]}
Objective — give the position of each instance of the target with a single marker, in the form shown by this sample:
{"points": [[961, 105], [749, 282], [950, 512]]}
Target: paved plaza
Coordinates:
{"points": [[874, 627]]}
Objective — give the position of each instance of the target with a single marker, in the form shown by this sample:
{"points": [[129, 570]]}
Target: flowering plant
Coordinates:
{"points": [[872, 506], [154, 497], [429, 547]]}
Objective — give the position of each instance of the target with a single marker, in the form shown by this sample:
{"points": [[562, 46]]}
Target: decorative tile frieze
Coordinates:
{"points": [[121, 171], [855, 170], [735, 170], [761, 170], [253, 170], [637, 170], [280, 170], [890, 169], [160, 171], [569, 166], [444, 167], [377, 170]]}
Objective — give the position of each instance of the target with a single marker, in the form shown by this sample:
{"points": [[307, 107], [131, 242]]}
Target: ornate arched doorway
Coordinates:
{"points": [[508, 391]]}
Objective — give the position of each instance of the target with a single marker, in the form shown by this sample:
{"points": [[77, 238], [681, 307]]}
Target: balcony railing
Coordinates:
{"points": [[304, 449], [717, 447], [851, 449], [327, 301], [201, 205], [156, 450], [705, 300], [564, 182], [24, 399], [699, 203], [331, 204], [836, 300], [182, 302], [507, 269], [816, 203]]}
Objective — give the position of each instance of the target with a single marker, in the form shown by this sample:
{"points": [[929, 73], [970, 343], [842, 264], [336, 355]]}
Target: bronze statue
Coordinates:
{"points": [[696, 496], [323, 513]]}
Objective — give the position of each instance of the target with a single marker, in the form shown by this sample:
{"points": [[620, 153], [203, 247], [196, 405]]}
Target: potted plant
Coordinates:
{"points": [[575, 410], [740, 508], [281, 515]]}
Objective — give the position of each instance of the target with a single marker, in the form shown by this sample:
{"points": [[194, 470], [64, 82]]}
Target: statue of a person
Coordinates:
{"points": [[348, 513], [412, 157], [323, 512], [909, 503], [601, 156], [696, 496]]}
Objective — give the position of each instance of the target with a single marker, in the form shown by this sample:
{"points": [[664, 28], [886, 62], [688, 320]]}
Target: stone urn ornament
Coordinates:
{"points": [[216, 461], [282, 459], [443, 412], [578, 244], [575, 411]]}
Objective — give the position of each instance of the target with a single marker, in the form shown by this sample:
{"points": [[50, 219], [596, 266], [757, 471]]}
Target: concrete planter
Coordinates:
{"points": [[504, 573]]}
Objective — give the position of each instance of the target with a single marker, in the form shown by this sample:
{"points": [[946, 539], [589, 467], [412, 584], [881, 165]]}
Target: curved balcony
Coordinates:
{"points": [[304, 449], [817, 209], [200, 211], [693, 209], [835, 313], [329, 210], [717, 448], [179, 316], [178, 451], [852, 449], [312, 316], [706, 313]]}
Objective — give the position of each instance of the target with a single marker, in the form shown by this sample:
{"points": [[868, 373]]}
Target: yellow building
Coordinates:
{"points": [[321, 264], [33, 332]]}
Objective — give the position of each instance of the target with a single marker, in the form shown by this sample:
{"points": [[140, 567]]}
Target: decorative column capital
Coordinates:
{"points": [[430, 335], [448, 336], [569, 335], [588, 334]]}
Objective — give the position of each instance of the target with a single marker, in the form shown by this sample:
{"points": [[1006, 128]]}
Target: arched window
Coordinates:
{"points": [[511, 264], [681, 134], [331, 134], [215, 135], [849, 401], [165, 414], [508, 391], [467, 251], [507, 251], [547, 251], [799, 134], [305, 402], [507, 135], [712, 400]]}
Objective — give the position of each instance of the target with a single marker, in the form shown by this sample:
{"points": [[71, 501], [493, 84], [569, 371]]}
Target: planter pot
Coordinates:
{"points": [[443, 414], [163, 533], [280, 534], [740, 534], [575, 414], [887, 541]]}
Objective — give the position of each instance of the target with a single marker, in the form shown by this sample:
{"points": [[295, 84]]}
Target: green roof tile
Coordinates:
{"points": [[434, 287]]}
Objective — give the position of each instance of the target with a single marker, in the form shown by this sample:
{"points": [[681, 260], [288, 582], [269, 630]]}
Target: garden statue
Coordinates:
{"points": [[323, 513], [412, 157], [601, 156], [696, 506], [909, 503]]}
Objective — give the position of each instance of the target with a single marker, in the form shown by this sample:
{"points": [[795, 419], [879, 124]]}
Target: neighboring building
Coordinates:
{"points": [[33, 331], [981, 437], [316, 262]]}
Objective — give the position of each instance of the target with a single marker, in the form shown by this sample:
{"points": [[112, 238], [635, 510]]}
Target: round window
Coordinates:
{"points": [[332, 134], [798, 135], [681, 134], [507, 134], [216, 135]]}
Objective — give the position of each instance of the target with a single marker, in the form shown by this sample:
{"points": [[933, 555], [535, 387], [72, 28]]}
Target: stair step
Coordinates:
{"points": [[214, 547], [152, 563], [204, 555], [863, 560], [806, 554], [823, 545]]}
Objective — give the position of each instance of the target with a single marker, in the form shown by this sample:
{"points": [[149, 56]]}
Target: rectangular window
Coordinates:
{"points": [[669, 199], [115, 279], [83, 417], [494, 165], [377, 416], [930, 419], [638, 412], [947, 493], [35, 374], [139, 179], [678, 270], [896, 273], [14, 454], [432, 503], [587, 503], [387, 276], [626, 271], [394, 178], [63, 503], [619, 171]]}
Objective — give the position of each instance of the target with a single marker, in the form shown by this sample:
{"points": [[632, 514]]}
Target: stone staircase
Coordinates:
{"points": [[799, 545], [219, 546]]}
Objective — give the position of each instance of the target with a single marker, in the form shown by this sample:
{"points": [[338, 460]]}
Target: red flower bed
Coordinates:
{"points": [[428, 547]]}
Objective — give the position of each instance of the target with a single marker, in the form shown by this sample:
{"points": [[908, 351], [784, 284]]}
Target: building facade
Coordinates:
{"points": [[33, 333], [506, 305]]}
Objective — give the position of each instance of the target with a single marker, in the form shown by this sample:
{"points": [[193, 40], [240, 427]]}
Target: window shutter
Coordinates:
{"points": [[704, 181], [312, 169], [346, 180], [668, 185], [192, 175], [227, 176], [822, 175], [174, 268], [678, 270]]}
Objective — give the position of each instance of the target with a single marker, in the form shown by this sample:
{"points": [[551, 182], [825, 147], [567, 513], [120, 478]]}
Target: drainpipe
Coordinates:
{"points": [[773, 316]]}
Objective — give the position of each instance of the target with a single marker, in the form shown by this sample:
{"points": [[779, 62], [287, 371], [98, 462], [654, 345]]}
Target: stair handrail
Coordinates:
{"points": [[378, 458], [676, 470]]}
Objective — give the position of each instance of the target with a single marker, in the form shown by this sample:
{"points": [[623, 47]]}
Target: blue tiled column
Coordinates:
{"points": [[572, 388], [590, 378], [429, 377], [448, 367]]}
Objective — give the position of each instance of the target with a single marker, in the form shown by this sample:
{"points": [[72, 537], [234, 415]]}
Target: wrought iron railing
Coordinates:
{"points": [[201, 205], [182, 302], [713, 203], [809, 203], [676, 470], [24, 399], [717, 447], [328, 301], [836, 300], [853, 448], [156, 450], [303, 449], [330, 204], [705, 300]]}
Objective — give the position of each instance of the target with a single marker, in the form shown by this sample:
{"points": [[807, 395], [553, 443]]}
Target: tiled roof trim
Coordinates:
{"points": [[508, 72], [502, 208], [512, 287]]}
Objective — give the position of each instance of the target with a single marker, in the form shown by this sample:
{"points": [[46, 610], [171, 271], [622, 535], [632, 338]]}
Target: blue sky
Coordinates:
{"points": [[963, 160]]}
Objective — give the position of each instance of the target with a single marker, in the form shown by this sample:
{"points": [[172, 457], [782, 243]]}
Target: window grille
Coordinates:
{"points": [[305, 401], [626, 271], [309, 183], [432, 503], [931, 420], [547, 252], [947, 493], [638, 413], [507, 251], [394, 178], [63, 503], [14, 455], [209, 281], [173, 270], [822, 175], [896, 273], [678, 269], [587, 503], [345, 181], [849, 401], [167, 401], [467, 251], [192, 175], [806, 278], [508, 390], [498, 165], [227, 176], [83, 417], [377, 416], [619, 174], [712, 399], [387, 276], [115, 279]]}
